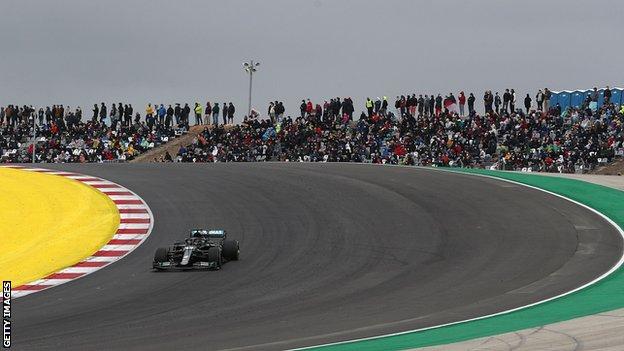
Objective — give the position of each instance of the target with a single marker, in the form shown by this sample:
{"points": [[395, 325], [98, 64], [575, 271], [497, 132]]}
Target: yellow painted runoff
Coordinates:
{"points": [[49, 222]]}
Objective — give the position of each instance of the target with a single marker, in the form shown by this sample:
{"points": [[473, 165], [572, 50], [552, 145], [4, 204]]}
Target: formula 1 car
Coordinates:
{"points": [[203, 249]]}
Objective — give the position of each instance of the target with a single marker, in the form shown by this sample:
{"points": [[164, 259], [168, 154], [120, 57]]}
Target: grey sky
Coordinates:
{"points": [[80, 52]]}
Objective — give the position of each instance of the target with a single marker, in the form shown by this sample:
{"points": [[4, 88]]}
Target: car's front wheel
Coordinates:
{"points": [[231, 250], [161, 255], [214, 256]]}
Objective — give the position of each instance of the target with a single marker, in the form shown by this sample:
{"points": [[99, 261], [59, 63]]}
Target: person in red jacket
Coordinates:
{"points": [[309, 108], [462, 103]]}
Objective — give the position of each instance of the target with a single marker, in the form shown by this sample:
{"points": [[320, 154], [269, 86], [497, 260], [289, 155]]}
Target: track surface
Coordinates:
{"points": [[329, 252]]}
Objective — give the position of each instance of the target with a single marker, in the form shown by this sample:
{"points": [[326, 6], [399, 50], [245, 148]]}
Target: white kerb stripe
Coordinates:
{"points": [[134, 226]]}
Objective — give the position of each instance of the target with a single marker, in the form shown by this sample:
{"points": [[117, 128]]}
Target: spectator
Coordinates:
{"points": [[547, 95], [462, 103], [506, 101], [198, 114], [215, 114], [471, 101], [539, 98], [607, 95], [225, 113], [497, 102], [208, 113], [527, 103], [231, 111]]}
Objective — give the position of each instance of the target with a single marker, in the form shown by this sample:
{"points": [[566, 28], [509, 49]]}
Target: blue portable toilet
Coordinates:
{"points": [[616, 96], [563, 99], [600, 97], [578, 96], [554, 98]]}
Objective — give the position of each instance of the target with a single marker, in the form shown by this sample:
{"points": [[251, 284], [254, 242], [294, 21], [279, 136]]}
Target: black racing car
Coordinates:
{"points": [[203, 249]]}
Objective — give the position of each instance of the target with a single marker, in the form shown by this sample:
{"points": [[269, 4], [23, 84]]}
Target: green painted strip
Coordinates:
{"points": [[605, 295]]}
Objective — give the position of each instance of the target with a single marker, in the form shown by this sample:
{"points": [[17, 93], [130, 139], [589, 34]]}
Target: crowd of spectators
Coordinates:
{"points": [[426, 130], [62, 135]]}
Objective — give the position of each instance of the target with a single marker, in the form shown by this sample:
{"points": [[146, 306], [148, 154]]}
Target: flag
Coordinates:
{"points": [[450, 105]]}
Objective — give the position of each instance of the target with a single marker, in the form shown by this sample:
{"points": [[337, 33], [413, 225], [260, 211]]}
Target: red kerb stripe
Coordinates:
{"points": [[135, 220], [110, 253], [124, 242], [132, 210], [90, 264], [31, 287], [117, 192], [104, 186], [132, 231], [128, 202], [64, 275]]}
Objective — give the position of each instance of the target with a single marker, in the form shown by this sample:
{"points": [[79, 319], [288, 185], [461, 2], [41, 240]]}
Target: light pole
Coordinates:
{"points": [[250, 67], [34, 144]]}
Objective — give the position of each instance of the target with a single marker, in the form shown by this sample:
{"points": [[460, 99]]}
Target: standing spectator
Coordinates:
{"points": [[607, 95], [594, 95], [488, 100], [177, 113], [48, 115], [431, 104], [186, 114], [102, 113], [225, 113], [114, 116], [497, 103], [231, 111], [271, 112], [384, 106], [397, 105], [162, 112], [539, 99], [377, 106], [438, 105], [198, 114], [421, 104], [208, 113], [169, 116], [303, 108], [215, 114], [279, 111], [527, 103], [512, 102], [40, 115], [547, 95], [471, 102], [120, 113], [369, 107], [129, 111], [309, 108], [96, 112], [462, 103], [506, 100], [412, 103], [149, 111]]}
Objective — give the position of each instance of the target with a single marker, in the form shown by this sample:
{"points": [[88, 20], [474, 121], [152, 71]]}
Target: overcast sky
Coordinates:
{"points": [[80, 52]]}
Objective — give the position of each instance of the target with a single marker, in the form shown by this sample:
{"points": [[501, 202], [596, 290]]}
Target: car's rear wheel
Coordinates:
{"points": [[231, 250], [214, 255]]}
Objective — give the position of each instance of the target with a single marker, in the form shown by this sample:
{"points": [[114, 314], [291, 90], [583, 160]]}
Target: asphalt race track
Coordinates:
{"points": [[329, 252]]}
